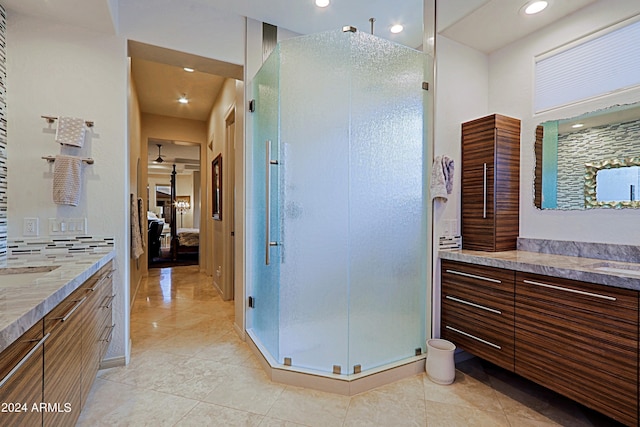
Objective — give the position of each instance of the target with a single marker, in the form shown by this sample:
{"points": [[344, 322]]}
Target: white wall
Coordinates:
{"points": [[511, 93], [61, 70], [462, 93], [185, 25]]}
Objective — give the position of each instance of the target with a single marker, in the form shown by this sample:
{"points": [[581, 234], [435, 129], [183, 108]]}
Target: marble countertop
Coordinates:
{"points": [[610, 273], [28, 291]]}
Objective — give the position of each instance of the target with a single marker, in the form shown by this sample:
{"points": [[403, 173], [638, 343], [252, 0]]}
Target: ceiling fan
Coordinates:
{"points": [[159, 159]]}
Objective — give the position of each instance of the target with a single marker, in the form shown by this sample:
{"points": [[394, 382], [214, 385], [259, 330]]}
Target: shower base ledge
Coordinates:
{"points": [[347, 385]]}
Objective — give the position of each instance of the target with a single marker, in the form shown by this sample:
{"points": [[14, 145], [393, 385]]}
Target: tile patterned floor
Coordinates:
{"points": [[189, 368]]}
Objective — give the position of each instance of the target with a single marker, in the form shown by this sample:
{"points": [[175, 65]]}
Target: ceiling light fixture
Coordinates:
{"points": [[395, 29], [159, 159], [188, 70], [577, 125], [183, 99], [533, 7], [322, 3]]}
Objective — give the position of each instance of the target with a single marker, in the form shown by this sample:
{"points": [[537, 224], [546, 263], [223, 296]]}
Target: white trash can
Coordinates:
{"points": [[440, 366]]}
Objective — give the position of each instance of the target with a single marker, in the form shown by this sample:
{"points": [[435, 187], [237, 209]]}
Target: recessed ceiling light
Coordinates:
{"points": [[188, 70], [395, 29], [183, 99], [577, 125], [322, 3], [533, 7]]}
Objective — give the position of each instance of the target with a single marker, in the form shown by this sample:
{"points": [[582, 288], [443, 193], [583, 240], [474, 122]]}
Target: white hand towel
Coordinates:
{"points": [[441, 177], [67, 178], [70, 131]]}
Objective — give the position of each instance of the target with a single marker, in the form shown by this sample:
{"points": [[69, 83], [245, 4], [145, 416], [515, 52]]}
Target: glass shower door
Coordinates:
{"points": [[265, 211], [314, 100]]}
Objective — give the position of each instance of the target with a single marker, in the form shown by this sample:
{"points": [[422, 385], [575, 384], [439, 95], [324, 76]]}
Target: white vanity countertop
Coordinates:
{"points": [[26, 297], [610, 273]]}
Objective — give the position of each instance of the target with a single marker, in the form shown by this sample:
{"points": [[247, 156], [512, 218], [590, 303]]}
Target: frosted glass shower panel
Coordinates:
{"points": [[266, 278], [346, 283], [387, 243], [315, 142]]}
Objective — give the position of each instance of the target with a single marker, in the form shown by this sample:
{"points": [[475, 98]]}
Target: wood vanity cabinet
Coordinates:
{"points": [[63, 360], [581, 340], [96, 333], [59, 357], [490, 183], [21, 379], [477, 310]]}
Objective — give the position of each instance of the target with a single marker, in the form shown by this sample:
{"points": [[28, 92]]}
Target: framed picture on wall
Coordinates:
{"points": [[216, 187]]}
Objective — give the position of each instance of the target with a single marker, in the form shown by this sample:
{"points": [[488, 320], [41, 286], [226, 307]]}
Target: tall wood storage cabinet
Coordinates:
{"points": [[490, 183]]}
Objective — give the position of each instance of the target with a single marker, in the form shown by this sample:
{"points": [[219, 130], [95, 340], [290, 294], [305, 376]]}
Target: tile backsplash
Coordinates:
{"points": [[606, 251]]}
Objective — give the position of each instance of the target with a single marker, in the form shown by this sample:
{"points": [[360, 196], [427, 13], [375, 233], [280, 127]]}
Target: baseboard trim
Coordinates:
{"points": [[113, 362]]}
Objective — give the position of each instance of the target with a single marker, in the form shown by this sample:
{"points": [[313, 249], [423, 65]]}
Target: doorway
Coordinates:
{"points": [[230, 189]]}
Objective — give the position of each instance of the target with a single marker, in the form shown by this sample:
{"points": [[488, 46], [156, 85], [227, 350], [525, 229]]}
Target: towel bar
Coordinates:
{"points": [[51, 119], [51, 159]]}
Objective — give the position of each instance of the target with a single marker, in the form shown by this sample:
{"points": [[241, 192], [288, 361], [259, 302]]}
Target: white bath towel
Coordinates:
{"points": [[70, 131], [136, 239], [67, 179], [442, 177]]}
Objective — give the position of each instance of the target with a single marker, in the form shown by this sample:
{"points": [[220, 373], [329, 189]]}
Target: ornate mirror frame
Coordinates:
{"points": [[590, 200]]}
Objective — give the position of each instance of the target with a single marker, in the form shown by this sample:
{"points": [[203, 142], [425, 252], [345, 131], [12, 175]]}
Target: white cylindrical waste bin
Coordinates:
{"points": [[440, 366]]}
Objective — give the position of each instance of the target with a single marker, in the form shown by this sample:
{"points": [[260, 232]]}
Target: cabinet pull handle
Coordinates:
{"points": [[474, 337], [23, 360], [472, 304], [473, 276], [574, 291], [110, 334], [108, 304], [484, 190], [75, 307], [102, 279]]}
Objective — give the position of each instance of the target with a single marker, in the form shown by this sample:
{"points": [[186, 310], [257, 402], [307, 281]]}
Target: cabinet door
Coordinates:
{"points": [[477, 310], [63, 361], [581, 340], [99, 302], [21, 379], [477, 190]]}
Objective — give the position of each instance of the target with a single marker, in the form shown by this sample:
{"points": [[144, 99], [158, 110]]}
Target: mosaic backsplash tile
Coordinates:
{"points": [[615, 141], [49, 246], [3, 134]]}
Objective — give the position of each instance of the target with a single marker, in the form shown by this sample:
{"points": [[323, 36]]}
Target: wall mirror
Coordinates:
{"points": [[589, 161]]}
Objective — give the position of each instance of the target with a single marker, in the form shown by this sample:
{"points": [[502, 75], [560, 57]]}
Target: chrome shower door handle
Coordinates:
{"points": [[267, 221], [268, 242], [484, 191]]}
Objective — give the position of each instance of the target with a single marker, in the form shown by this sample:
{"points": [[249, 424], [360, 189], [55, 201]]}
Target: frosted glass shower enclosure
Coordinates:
{"points": [[337, 218]]}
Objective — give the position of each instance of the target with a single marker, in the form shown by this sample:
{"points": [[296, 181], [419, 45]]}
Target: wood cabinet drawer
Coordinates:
{"points": [[477, 310], [21, 378], [580, 339]]}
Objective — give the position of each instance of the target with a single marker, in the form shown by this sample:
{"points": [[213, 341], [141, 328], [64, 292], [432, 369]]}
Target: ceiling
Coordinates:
{"points": [[160, 81], [185, 155]]}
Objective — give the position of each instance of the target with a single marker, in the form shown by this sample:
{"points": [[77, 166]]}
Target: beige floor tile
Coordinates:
{"points": [[116, 404], [310, 407], [274, 422], [169, 373], [447, 415], [399, 404], [246, 389], [465, 391], [209, 415]]}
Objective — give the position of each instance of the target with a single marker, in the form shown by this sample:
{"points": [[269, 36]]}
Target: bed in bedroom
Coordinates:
{"points": [[188, 240]]}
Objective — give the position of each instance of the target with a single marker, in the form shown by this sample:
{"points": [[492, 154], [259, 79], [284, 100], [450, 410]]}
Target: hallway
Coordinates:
{"points": [[189, 368]]}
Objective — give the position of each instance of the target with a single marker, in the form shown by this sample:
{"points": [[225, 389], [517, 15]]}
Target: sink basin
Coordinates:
{"points": [[20, 276], [612, 267]]}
